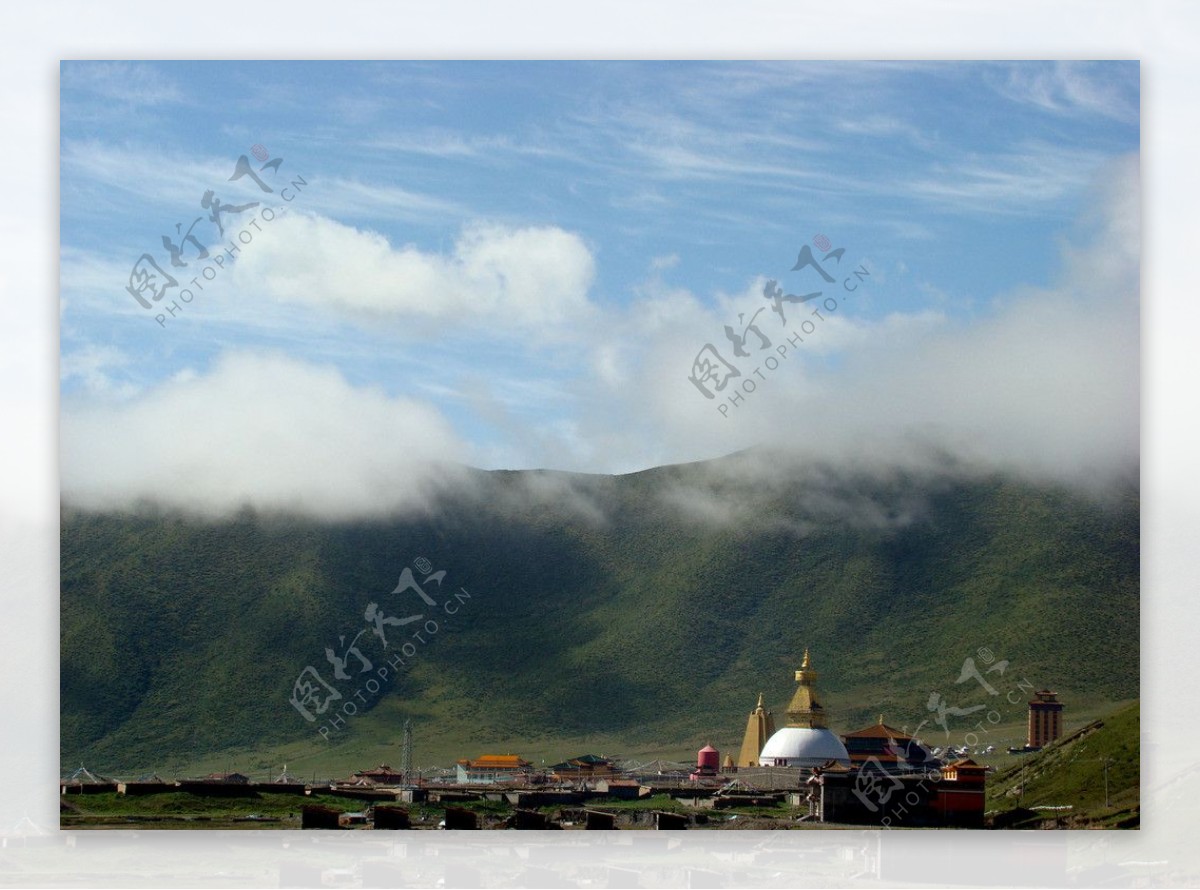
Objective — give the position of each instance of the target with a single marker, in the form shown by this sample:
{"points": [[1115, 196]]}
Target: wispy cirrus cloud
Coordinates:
{"points": [[176, 181], [437, 142], [886, 127], [339, 196], [834, 143], [1071, 88], [93, 169], [1031, 175], [130, 83]]}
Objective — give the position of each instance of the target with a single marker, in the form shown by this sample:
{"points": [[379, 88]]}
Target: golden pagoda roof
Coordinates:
{"points": [[805, 710]]}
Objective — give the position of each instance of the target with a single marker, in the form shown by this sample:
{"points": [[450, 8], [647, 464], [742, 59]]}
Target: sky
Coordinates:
{"points": [[415, 266]]}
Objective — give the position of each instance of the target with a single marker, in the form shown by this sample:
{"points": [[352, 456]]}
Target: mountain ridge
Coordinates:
{"points": [[648, 606]]}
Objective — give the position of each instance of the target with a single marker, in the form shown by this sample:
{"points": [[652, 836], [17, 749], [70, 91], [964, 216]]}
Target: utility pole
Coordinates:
{"points": [[1106, 761]]}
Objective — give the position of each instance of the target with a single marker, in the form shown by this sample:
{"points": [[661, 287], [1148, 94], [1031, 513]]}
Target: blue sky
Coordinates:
{"points": [[515, 264]]}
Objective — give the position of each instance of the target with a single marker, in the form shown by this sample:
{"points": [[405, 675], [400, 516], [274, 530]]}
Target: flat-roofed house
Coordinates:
{"points": [[492, 768], [586, 766]]}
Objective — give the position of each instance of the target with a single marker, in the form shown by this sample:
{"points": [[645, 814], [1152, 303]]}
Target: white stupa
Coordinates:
{"points": [[806, 741]]}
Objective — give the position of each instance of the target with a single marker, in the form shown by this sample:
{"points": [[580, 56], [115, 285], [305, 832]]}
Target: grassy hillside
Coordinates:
{"points": [[1095, 770], [640, 613]]}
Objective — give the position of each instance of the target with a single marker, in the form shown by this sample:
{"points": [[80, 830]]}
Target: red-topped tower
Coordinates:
{"points": [[708, 763], [1045, 719]]}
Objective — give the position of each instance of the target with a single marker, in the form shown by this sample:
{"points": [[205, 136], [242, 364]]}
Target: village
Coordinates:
{"points": [[798, 775]]}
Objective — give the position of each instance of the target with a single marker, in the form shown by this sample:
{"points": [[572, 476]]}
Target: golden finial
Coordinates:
{"points": [[804, 664], [759, 707], [881, 720]]}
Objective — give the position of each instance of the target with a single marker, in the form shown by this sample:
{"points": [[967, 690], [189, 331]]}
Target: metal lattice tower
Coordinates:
{"points": [[406, 751]]}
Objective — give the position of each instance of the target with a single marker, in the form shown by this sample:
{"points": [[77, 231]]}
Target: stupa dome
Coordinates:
{"points": [[803, 746], [806, 741]]}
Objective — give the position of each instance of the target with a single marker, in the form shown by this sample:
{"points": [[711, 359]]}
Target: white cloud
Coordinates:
{"points": [[269, 432], [1044, 383], [94, 366], [493, 275]]}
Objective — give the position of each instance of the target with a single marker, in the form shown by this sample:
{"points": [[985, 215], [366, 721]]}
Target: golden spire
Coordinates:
{"points": [[804, 709], [759, 727], [806, 673], [881, 720]]}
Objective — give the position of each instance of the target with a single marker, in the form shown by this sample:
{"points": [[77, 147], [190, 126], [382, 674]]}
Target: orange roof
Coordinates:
{"points": [[877, 731]]}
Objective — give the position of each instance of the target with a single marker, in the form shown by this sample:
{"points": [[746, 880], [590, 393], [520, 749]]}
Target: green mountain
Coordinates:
{"points": [[642, 613]]}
